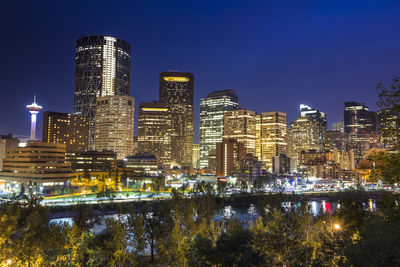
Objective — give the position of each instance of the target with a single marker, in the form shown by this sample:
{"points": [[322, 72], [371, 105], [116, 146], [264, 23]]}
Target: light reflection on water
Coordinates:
{"points": [[243, 214]]}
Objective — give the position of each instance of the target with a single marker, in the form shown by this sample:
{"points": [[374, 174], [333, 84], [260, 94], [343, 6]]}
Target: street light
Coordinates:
{"points": [[336, 226]]}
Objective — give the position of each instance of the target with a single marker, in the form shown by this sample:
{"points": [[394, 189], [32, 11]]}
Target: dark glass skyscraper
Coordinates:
{"points": [[358, 119], [102, 68], [176, 90]]}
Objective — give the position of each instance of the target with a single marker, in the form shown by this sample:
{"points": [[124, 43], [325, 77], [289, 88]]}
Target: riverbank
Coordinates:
{"points": [[234, 200]]}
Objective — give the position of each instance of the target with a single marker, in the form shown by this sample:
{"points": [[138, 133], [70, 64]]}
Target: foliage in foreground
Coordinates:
{"points": [[184, 232]]}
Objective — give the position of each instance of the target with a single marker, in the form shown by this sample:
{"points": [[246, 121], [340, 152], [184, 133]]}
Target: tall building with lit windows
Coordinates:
{"points": [[240, 124], [154, 131], [176, 90], [64, 128], [40, 165], [389, 128], [358, 119], [271, 130], [360, 125], [212, 110], [229, 153], [102, 68], [114, 125], [306, 133]]}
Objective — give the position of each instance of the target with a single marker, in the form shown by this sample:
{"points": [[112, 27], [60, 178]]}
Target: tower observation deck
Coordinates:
{"points": [[33, 109]]}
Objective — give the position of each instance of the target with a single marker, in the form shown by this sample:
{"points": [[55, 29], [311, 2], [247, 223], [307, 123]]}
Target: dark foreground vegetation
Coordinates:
{"points": [[183, 232]]}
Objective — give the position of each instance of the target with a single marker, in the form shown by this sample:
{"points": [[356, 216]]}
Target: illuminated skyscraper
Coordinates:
{"points": [[306, 133], [154, 131], [270, 136], [196, 156], [114, 124], [176, 90], [360, 125], [212, 110], [229, 153], [389, 128], [358, 119], [102, 68], [240, 125], [33, 109], [64, 128]]}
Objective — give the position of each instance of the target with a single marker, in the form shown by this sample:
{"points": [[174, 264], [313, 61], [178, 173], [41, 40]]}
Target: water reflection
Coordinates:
{"points": [[242, 213], [228, 212]]}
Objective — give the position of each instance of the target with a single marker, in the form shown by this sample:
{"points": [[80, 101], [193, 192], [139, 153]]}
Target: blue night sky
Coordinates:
{"points": [[276, 54]]}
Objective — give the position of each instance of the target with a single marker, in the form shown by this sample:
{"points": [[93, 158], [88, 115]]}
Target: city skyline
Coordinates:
{"points": [[299, 67]]}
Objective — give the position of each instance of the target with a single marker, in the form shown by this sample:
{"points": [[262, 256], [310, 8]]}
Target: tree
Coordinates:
{"points": [[124, 178], [389, 102], [8, 227], [33, 231], [22, 191], [136, 232], [221, 188], [385, 166], [233, 249], [146, 226], [106, 191], [116, 244], [76, 246], [85, 217], [177, 225]]}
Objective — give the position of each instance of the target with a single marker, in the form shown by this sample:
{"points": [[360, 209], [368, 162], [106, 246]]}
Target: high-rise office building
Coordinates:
{"points": [[336, 140], [240, 124], [389, 128], [338, 126], [114, 124], [271, 141], [196, 156], [154, 131], [306, 133], [358, 119], [360, 125], [64, 128], [212, 110], [102, 68], [176, 90], [229, 153]]}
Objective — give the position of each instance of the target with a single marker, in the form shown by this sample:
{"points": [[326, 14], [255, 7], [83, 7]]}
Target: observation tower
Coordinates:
{"points": [[33, 109]]}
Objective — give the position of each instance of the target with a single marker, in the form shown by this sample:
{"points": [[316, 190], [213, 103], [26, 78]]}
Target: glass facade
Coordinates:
{"points": [[212, 110], [102, 68], [358, 119], [306, 133]]}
